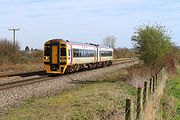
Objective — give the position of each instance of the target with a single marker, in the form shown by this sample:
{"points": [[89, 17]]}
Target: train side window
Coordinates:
{"points": [[75, 52], [80, 55], [106, 53], [68, 52], [83, 53], [92, 54]]}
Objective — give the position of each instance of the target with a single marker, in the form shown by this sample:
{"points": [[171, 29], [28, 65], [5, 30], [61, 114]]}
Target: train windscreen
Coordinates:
{"points": [[47, 51]]}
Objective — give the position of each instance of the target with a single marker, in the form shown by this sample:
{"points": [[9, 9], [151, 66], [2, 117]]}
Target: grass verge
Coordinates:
{"points": [[170, 103], [99, 99]]}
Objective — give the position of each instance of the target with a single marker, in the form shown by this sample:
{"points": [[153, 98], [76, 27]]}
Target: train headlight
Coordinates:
{"points": [[46, 58]]}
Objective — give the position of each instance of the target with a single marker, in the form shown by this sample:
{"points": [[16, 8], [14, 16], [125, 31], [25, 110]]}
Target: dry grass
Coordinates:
{"points": [[137, 74], [151, 110], [123, 53], [24, 64], [9, 68], [12, 59], [9, 51], [170, 102], [99, 99]]}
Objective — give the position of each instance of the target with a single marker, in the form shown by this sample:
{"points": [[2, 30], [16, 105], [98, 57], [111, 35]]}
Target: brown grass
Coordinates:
{"points": [[151, 110], [123, 53], [9, 51], [137, 74], [102, 99], [13, 59], [9, 68]]}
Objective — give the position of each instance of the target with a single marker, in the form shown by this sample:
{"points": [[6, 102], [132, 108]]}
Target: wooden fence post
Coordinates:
{"points": [[160, 74], [159, 78], [162, 71], [157, 75], [145, 95], [129, 110], [156, 80], [139, 104], [153, 84], [150, 86]]}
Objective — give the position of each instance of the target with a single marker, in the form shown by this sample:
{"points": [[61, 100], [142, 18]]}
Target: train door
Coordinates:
{"points": [[99, 54], [63, 56], [54, 57], [54, 54], [69, 61]]}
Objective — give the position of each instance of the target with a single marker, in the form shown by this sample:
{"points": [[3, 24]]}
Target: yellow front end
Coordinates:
{"points": [[55, 56]]}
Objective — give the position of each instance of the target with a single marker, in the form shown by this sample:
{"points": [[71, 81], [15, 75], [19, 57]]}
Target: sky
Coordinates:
{"points": [[87, 21]]}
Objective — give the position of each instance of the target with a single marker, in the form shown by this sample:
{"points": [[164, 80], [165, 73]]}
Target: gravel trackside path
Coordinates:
{"points": [[14, 96]]}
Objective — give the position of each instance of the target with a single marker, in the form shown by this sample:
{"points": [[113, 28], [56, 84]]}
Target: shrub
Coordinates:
{"points": [[31, 56], [9, 51], [123, 53], [153, 42]]}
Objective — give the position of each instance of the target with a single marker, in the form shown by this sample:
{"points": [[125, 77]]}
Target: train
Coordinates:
{"points": [[62, 56]]}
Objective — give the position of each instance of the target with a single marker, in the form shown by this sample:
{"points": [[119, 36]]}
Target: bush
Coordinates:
{"points": [[153, 42], [176, 53], [123, 53], [31, 57], [9, 51]]}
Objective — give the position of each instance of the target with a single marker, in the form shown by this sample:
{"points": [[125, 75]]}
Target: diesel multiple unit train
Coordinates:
{"points": [[62, 56]]}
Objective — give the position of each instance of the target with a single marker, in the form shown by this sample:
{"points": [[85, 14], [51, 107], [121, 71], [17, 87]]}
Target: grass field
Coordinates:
{"points": [[171, 100], [100, 99]]}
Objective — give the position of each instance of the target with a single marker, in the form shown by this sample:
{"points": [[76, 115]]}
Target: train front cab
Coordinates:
{"points": [[55, 56]]}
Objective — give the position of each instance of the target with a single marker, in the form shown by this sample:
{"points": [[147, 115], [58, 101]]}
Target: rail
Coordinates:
{"points": [[24, 74]]}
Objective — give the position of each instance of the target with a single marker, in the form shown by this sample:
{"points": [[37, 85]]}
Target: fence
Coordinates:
{"points": [[135, 111]]}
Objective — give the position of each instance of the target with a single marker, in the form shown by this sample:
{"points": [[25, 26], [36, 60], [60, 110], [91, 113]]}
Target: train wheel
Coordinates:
{"points": [[76, 68], [69, 70], [103, 64], [93, 66], [110, 62], [90, 66]]}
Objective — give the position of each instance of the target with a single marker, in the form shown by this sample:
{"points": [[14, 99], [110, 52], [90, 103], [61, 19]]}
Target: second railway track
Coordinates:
{"points": [[23, 74]]}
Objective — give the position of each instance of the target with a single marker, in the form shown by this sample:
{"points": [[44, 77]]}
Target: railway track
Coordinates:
{"points": [[19, 83], [41, 77], [24, 74], [42, 72]]}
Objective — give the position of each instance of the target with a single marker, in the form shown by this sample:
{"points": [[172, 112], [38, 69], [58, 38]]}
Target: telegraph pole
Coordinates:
{"points": [[14, 33]]}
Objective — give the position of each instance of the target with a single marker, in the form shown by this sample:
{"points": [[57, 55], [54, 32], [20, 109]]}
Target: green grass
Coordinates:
{"points": [[175, 93], [171, 100], [100, 99]]}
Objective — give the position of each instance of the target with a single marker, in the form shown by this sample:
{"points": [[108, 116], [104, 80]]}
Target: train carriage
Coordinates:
{"points": [[65, 57]]}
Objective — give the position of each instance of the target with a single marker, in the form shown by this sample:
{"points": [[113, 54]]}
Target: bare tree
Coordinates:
{"points": [[109, 41]]}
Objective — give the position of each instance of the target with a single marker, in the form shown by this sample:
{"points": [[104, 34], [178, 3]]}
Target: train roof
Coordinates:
{"points": [[98, 45], [72, 42]]}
